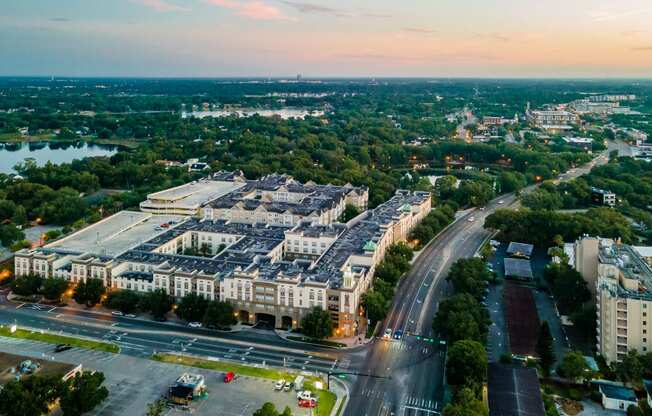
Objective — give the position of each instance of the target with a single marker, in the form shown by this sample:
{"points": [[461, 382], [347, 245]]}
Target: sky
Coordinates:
{"points": [[338, 38]]}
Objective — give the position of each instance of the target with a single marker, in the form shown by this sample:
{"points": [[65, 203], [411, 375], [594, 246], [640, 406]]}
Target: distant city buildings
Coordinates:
{"points": [[584, 143], [552, 120], [603, 197], [272, 247]]}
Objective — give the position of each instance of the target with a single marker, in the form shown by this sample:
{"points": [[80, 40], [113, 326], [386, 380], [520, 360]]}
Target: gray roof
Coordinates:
{"points": [[514, 391]]}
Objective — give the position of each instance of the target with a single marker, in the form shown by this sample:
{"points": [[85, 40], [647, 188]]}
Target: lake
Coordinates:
{"points": [[56, 152], [284, 113]]}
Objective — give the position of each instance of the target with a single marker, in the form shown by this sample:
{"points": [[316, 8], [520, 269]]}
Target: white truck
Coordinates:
{"points": [[298, 383]]}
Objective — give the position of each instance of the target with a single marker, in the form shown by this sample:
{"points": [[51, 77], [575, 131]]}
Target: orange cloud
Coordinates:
{"points": [[252, 9]]}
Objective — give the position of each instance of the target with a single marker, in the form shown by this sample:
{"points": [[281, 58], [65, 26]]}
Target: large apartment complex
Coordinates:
{"points": [[621, 278], [272, 247]]}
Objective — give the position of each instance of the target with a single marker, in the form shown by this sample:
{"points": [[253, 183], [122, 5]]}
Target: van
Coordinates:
{"points": [[298, 383]]}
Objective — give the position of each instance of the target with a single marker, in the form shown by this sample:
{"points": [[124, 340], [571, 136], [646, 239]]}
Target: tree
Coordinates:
{"points": [[568, 286], [83, 393], [53, 288], [573, 366], [375, 305], [27, 285], [9, 234], [467, 365], [157, 408], [219, 315], [89, 292], [545, 349], [317, 323], [158, 303], [192, 307], [269, 409], [350, 212], [126, 301], [461, 317], [469, 276], [466, 403], [630, 368], [30, 396]]}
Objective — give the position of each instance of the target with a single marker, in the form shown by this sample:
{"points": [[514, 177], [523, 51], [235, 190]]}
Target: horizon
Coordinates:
{"points": [[356, 39]]}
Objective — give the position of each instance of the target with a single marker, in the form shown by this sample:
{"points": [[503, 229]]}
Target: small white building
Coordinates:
{"points": [[615, 396]]}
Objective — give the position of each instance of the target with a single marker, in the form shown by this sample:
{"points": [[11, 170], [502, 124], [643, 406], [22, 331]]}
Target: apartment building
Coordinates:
{"points": [[269, 270], [603, 197]]}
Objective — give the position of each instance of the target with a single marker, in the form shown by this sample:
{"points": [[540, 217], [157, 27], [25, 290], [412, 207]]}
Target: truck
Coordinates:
{"points": [[298, 383]]}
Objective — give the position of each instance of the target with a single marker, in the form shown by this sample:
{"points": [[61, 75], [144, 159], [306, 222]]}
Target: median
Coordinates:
{"points": [[51, 338]]}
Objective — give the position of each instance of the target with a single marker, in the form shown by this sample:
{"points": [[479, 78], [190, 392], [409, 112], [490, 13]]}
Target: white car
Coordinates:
{"points": [[501, 202], [117, 313], [388, 333], [305, 395], [471, 219], [130, 315], [279, 385], [194, 324]]}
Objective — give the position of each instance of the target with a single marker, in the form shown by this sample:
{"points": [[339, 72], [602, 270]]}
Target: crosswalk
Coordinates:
{"points": [[419, 406], [373, 394]]}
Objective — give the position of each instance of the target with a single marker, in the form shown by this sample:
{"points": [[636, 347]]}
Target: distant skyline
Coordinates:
{"points": [[380, 38]]}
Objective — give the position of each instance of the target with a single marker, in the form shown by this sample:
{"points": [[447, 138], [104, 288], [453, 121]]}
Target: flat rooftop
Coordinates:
{"points": [[193, 194], [116, 234], [45, 367]]}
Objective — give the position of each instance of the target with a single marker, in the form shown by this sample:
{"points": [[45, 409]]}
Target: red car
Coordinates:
{"points": [[228, 377], [310, 403]]}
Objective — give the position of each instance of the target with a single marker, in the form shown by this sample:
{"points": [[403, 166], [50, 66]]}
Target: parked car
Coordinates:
{"points": [[228, 377], [288, 386], [62, 347], [130, 315], [311, 403], [305, 395], [117, 313], [279, 385], [471, 219], [388, 333], [195, 324]]}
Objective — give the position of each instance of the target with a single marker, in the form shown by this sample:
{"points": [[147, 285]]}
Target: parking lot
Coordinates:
{"points": [[135, 382]]}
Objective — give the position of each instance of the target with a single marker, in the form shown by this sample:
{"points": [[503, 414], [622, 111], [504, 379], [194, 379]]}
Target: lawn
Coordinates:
{"points": [[326, 398], [59, 339]]}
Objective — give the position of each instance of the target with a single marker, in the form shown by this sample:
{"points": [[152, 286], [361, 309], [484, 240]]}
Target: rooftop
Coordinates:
{"points": [[115, 234], [514, 391], [192, 195]]}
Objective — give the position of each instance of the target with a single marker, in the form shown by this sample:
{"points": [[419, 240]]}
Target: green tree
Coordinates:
{"points": [[83, 393], [466, 403], [29, 396], [545, 349], [9, 234], [375, 304], [158, 303], [53, 288], [89, 292], [219, 315], [317, 323], [157, 408], [469, 276], [27, 285], [350, 212], [268, 409], [192, 308], [630, 368], [126, 301], [461, 317], [467, 365], [573, 366]]}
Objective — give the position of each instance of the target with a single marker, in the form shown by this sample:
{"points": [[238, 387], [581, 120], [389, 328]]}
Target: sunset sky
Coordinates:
{"points": [[425, 38]]}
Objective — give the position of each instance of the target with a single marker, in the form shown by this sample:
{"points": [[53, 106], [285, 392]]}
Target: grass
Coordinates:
{"points": [[326, 399], [59, 339]]}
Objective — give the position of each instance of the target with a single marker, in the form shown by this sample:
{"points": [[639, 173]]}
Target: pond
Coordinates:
{"points": [[284, 113], [56, 152]]}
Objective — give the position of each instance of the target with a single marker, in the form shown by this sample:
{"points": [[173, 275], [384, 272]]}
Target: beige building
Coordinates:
{"points": [[270, 271]]}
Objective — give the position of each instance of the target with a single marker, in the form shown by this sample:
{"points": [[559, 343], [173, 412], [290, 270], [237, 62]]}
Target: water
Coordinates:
{"points": [[56, 152], [284, 113]]}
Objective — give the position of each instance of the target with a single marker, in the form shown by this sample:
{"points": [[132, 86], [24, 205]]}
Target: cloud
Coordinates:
{"points": [[251, 9], [161, 5], [315, 8], [59, 19], [421, 30], [605, 15]]}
